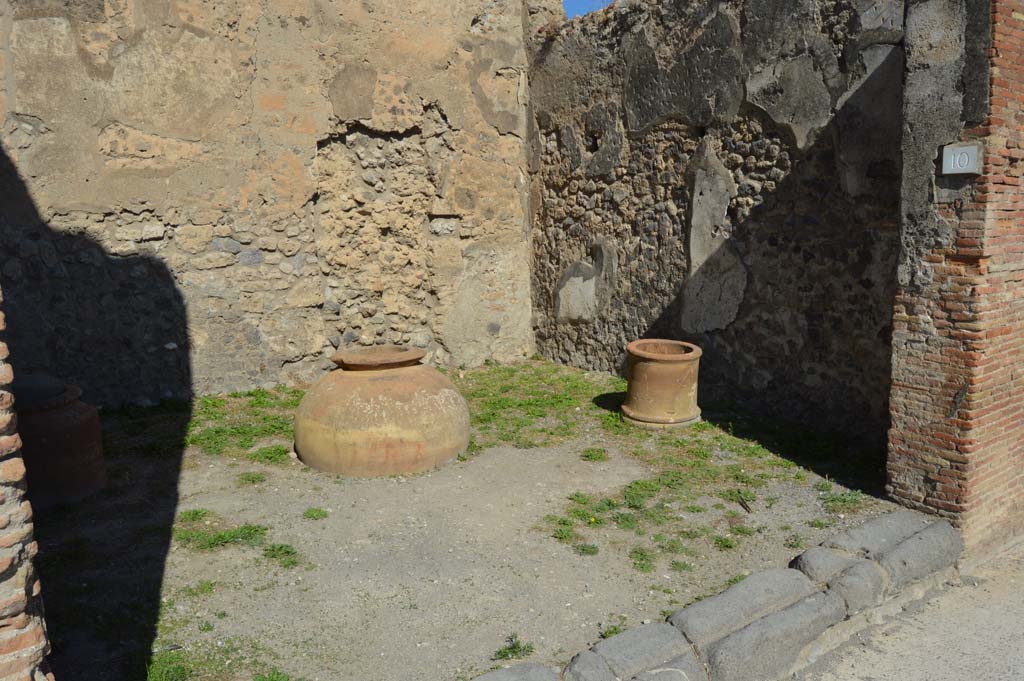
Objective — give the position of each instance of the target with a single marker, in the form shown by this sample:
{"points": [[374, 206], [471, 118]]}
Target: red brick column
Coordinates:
{"points": [[23, 643], [956, 446]]}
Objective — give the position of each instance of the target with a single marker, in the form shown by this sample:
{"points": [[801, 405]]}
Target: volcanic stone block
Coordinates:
{"points": [[934, 548], [683, 668], [761, 594], [703, 86], [879, 535], [767, 649], [881, 21], [820, 564], [521, 672], [862, 585], [636, 650], [588, 666], [794, 94]]}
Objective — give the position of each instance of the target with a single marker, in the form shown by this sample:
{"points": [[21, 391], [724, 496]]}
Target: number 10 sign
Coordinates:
{"points": [[961, 159]]}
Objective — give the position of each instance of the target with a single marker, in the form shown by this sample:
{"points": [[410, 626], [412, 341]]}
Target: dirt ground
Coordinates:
{"points": [[425, 578]]}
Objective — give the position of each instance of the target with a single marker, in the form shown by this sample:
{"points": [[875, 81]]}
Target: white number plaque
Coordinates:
{"points": [[961, 159]]}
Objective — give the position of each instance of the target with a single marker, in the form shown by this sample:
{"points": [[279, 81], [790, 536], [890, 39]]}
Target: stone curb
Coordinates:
{"points": [[763, 628]]}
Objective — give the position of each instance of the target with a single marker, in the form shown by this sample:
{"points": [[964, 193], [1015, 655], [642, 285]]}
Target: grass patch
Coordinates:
{"points": [[643, 559], [586, 549], [514, 649], [314, 513], [738, 496], [194, 515], [531, 404], [169, 666], [594, 454], [272, 675], [277, 454], [212, 536], [613, 629], [675, 546], [234, 424], [724, 543], [626, 521], [581, 498], [681, 566], [203, 588], [795, 541], [844, 502], [735, 579], [251, 478], [284, 555], [639, 492]]}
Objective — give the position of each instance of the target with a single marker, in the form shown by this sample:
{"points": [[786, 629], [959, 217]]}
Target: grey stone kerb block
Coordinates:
{"points": [[758, 595], [768, 648], [932, 549], [637, 650]]}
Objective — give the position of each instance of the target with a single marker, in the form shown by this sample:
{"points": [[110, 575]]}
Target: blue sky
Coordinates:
{"points": [[576, 7]]}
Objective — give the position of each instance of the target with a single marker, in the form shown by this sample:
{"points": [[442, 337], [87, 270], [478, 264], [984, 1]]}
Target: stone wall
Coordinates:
{"points": [[23, 644], [957, 441], [725, 173], [220, 193]]}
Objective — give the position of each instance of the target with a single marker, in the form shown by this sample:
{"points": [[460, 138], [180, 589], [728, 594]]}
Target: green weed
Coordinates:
{"points": [[643, 559], [203, 588], [283, 554], [613, 629], [194, 515], [795, 541], [272, 675], [514, 649], [724, 543], [844, 502], [277, 454], [206, 540]]}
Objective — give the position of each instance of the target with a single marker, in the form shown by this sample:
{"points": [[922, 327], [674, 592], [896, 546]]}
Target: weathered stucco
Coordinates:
{"points": [[256, 183], [741, 159]]}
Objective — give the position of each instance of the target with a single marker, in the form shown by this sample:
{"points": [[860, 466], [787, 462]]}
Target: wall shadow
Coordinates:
{"points": [[804, 367], [116, 327]]}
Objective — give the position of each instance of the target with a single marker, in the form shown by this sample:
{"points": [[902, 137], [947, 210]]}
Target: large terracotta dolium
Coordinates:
{"points": [[662, 383], [381, 413], [62, 443]]}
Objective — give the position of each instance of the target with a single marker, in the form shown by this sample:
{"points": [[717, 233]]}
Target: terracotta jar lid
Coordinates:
{"points": [[664, 350], [378, 357]]}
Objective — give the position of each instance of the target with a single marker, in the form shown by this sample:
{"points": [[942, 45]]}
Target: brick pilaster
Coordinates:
{"points": [[23, 642], [956, 446]]}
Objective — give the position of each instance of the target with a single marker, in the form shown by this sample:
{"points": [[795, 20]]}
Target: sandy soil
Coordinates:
{"points": [[422, 579]]}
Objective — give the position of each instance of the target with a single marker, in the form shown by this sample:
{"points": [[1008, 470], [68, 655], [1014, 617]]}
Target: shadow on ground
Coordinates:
{"points": [[851, 462], [115, 326]]}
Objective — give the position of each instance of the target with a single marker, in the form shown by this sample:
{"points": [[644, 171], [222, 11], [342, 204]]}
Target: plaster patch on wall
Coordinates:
{"points": [[717, 278]]}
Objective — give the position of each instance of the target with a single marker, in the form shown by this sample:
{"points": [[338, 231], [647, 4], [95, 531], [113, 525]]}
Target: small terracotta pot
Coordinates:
{"points": [[662, 377], [381, 413], [62, 445]]}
